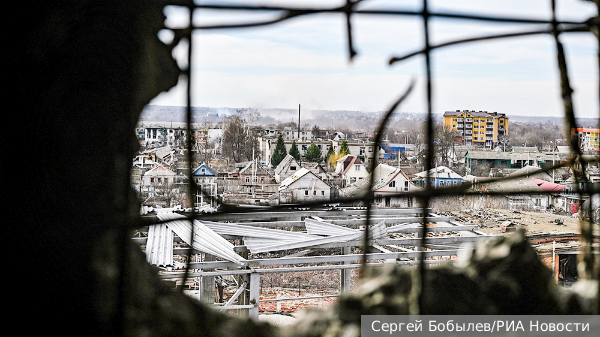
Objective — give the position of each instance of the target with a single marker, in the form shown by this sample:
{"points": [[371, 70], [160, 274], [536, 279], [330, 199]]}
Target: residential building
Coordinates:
{"points": [[393, 150], [389, 181], [524, 149], [351, 169], [481, 128], [204, 174], [363, 150], [317, 169], [157, 182], [589, 139], [163, 134], [162, 155], [286, 168], [303, 186], [144, 161], [511, 159], [440, 176], [254, 174], [205, 178], [539, 192], [158, 175]]}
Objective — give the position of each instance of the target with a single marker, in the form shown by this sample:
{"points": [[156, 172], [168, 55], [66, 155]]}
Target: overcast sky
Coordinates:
{"points": [[305, 60]]}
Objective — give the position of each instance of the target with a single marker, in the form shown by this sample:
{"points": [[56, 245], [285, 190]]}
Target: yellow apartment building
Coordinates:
{"points": [[480, 128]]}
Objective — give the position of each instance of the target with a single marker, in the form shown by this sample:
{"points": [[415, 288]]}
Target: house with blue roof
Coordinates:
{"points": [[204, 174]]}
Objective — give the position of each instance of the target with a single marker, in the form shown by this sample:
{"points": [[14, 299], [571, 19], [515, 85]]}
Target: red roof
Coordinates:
{"points": [[548, 186], [349, 162]]}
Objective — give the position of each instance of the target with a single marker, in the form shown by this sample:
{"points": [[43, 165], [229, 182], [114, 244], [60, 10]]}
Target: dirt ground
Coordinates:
{"points": [[490, 221]]}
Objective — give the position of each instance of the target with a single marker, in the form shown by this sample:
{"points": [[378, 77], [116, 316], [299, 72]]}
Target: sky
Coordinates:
{"points": [[305, 60]]}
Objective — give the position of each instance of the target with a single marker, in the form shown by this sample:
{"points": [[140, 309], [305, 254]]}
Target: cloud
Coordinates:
{"points": [[305, 61]]}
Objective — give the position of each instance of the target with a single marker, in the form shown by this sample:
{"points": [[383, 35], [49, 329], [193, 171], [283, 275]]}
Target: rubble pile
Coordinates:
{"points": [[491, 221]]}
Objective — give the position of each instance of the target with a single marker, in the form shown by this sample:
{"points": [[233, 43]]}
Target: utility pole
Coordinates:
{"points": [[298, 122]]}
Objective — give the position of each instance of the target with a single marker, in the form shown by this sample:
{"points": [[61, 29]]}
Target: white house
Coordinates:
{"points": [[388, 181], [303, 186], [351, 169]]}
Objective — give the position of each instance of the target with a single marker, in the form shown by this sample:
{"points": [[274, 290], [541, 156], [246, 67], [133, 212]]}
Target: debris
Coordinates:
{"points": [[503, 277]]}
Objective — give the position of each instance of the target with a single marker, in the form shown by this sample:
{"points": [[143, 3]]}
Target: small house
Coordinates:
{"points": [[303, 186], [351, 169], [286, 168], [440, 176]]}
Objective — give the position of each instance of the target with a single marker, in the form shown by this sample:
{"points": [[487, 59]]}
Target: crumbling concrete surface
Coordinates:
{"points": [[504, 277]]}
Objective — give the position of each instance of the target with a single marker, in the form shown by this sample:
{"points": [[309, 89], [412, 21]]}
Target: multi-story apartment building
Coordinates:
{"points": [[481, 128], [589, 139], [159, 134], [363, 150]]}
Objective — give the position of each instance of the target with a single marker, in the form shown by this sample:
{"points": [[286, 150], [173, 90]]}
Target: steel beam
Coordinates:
{"points": [[321, 259]]}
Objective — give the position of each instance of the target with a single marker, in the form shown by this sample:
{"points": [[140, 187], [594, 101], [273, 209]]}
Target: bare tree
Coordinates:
{"points": [[239, 139], [444, 144], [165, 189]]}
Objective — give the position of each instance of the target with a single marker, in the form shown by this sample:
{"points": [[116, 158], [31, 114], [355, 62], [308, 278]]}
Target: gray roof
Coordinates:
{"points": [[439, 172], [525, 149], [523, 184], [296, 176], [543, 156], [284, 163], [532, 172], [260, 170]]}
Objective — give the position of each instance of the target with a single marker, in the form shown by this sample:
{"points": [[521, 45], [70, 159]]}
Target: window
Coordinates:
{"points": [[406, 185], [306, 192], [322, 192], [152, 180], [255, 179], [292, 168], [392, 184], [356, 167], [314, 192], [247, 179], [370, 149]]}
